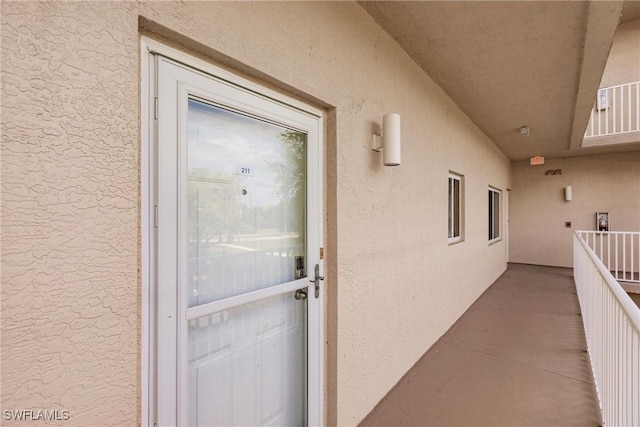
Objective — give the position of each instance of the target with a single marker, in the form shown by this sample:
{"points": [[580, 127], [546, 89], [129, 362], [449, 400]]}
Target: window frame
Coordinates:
{"points": [[494, 224], [451, 204]]}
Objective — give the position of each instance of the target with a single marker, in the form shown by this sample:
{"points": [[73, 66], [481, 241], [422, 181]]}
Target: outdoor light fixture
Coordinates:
{"points": [[389, 142], [525, 131], [568, 193]]}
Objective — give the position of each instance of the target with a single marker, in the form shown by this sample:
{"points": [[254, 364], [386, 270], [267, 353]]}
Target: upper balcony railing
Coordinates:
{"points": [[616, 111], [611, 323]]}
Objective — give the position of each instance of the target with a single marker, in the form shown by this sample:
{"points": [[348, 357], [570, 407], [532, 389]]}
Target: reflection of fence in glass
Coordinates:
{"points": [[257, 340], [616, 111]]}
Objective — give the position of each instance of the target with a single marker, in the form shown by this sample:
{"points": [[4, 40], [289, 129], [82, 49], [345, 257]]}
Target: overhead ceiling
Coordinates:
{"points": [[512, 64], [631, 11]]}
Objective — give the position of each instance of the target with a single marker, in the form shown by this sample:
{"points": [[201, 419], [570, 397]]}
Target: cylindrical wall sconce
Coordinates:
{"points": [[568, 193], [390, 141]]}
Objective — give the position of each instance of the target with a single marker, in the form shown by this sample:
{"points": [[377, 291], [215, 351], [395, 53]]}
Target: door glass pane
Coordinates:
{"points": [[246, 203], [246, 367], [245, 230]]}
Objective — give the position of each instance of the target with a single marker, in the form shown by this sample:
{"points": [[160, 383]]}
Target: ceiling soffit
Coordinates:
{"points": [[510, 64]]}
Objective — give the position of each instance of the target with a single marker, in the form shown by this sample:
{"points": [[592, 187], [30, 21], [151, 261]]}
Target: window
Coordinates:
{"points": [[455, 208], [494, 215]]}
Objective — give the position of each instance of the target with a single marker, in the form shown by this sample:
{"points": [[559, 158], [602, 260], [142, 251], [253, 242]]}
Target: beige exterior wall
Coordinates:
{"points": [[623, 64], [71, 306], [606, 183], [70, 207]]}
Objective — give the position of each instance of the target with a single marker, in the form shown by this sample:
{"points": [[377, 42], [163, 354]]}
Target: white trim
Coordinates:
{"points": [[459, 238], [316, 368], [167, 356], [500, 213], [505, 223], [147, 374], [212, 307], [182, 257], [167, 248]]}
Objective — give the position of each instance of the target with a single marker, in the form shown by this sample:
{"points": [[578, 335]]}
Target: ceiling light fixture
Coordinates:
{"points": [[525, 131]]}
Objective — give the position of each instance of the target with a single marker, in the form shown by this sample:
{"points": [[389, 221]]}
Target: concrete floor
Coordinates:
{"points": [[515, 358]]}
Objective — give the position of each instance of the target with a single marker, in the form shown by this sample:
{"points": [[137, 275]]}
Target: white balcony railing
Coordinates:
{"points": [[616, 111], [612, 328], [618, 251]]}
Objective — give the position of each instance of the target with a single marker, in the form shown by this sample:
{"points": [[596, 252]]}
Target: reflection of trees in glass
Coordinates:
{"points": [[291, 183], [220, 211], [214, 208]]}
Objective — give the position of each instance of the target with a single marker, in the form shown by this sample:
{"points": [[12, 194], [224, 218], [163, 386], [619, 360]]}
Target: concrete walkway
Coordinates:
{"points": [[515, 358]]}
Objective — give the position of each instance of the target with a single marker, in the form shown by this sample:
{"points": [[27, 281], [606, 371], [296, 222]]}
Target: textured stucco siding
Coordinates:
{"points": [[71, 194], [70, 203], [604, 183]]}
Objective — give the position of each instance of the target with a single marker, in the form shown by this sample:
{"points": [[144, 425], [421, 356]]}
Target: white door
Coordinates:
{"points": [[238, 238]]}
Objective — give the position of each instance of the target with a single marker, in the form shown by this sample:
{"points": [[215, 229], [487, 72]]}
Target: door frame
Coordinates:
{"points": [[150, 50], [506, 219]]}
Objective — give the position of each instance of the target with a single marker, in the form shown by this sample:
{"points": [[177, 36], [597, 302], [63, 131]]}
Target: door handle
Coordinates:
{"points": [[316, 280]]}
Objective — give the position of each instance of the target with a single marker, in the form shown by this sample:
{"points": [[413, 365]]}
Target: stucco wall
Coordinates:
{"points": [[71, 203], [538, 211], [623, 64]]}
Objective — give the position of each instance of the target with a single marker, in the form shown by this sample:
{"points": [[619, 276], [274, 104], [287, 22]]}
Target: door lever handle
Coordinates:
{"points": [[316, 280]]}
